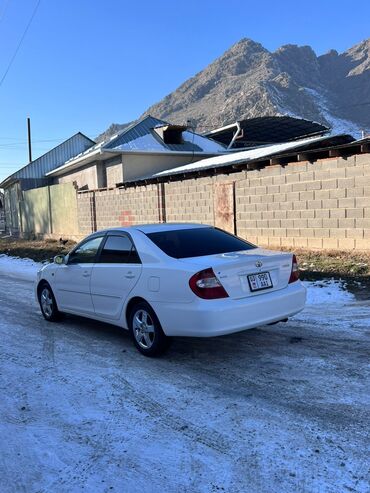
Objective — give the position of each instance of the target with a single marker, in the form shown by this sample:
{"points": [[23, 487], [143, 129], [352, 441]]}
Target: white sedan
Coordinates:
{"points": [[164, 280]]}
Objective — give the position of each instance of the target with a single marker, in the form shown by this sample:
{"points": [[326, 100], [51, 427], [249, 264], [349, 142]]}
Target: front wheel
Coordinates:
{"points": [[146, 330], [48, 304]]}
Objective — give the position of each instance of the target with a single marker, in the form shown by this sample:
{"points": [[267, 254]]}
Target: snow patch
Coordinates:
{"points": [[328, 290], [330, 305], [24, 269], [338, 125]]}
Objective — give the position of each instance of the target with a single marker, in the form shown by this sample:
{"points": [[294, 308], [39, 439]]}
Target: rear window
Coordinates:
{"points": [[198, 242]]}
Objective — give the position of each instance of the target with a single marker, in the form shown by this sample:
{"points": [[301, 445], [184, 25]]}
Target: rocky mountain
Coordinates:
{"points": [[249, 81], [113, 129]]}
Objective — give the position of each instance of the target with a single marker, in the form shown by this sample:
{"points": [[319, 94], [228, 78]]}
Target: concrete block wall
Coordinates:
{"points": [[324, 204], [86, 223], [190, 201], [118, 207]]}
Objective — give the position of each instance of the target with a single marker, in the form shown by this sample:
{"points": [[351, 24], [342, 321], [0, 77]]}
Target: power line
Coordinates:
{"points": [[20, 42], [22, 143], [3, 11]]}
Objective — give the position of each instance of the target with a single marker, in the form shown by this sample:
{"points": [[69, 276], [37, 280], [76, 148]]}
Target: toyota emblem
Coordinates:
{"points": [[258, 263]]}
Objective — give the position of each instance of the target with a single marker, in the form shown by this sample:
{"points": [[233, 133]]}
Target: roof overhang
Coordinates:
{"points": [[104, 154], [82, 160], [171, 153], [8, 182]]}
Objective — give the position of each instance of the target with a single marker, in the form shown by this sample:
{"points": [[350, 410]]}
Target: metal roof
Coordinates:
{"points": [[268, 130], [141, 136], [51, 159], [234, 160]]}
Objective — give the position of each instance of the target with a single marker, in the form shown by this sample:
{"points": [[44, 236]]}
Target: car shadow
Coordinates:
{"points": [[250, 343]]}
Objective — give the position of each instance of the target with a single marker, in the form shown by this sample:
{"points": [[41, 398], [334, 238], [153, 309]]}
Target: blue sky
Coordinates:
{"points": [[87, 63]]}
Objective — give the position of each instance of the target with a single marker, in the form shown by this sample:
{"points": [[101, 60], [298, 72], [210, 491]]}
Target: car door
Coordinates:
{"points": [[72, 280], [114, 275]]}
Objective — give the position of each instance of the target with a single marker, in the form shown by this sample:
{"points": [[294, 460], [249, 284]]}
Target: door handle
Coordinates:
{"points": [[129, 276], [86, 274]]}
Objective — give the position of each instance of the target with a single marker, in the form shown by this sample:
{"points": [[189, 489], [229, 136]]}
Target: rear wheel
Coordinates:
{"points": [[48, 305], [146, 330]]}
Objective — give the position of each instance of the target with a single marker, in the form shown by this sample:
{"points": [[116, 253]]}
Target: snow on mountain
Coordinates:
{"points": [[337, 125]]}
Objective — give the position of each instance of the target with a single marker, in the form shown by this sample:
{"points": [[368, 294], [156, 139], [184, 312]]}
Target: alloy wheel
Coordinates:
{"points": [[143, 329], [46, 302]]}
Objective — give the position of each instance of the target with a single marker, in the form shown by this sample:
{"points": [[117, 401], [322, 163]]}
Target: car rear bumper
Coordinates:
{"points": [[208, 318]]}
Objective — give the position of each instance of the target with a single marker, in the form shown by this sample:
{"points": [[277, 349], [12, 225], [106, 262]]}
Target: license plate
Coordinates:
{"points": [[259, 281]]}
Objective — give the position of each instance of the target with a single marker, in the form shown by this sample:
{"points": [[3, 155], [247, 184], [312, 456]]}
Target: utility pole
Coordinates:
{"points": [[29, 139]]}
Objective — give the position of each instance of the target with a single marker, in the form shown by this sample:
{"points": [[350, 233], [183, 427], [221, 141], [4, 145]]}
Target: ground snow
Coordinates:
{"points": [[23, 269], [280, 408], [328, 290]]}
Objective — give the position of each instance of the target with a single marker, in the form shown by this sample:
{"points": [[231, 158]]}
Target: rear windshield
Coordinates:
{"points": [[197, 242]]}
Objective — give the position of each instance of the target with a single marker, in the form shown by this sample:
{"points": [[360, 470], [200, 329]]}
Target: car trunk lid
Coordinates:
{"points": [[248, 273]]}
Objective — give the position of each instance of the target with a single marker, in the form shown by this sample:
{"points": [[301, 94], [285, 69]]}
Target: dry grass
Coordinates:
{"points": [[38, 250], [333, 262]]}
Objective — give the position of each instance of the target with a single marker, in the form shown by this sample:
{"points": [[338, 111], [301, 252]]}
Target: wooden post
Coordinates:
{"points": [[29, 140]]}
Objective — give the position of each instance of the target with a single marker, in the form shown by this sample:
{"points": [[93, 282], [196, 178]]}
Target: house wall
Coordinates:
{"points": [[114, 171], [86, 178], [325, 204], [137, 166]]}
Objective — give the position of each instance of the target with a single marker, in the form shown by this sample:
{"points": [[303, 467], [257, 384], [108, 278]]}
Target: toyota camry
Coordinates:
{"points": [[164, 280]]}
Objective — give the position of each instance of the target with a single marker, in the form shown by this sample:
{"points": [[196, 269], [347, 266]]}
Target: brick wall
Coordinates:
{"points": [[325, 204]]}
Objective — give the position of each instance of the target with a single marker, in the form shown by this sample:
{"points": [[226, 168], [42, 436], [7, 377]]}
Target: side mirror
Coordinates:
{"points": [[59, 259]]}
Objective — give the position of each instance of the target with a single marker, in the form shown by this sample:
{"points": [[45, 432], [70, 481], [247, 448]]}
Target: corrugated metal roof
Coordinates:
{"points": [[268, 130], [52, 159], [141, 136], [253, 154]]}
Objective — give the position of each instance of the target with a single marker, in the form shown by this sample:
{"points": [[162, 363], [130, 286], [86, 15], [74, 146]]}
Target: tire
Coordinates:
{"points": [[146, 331], [48, 305]]}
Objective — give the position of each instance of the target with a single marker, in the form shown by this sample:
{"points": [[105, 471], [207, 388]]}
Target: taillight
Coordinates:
{"points": [[294, 275], [206, 285]]}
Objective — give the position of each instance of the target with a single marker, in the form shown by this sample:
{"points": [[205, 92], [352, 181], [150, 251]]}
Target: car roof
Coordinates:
{"points": [[155, 228]]}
